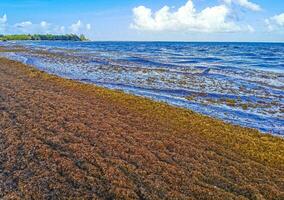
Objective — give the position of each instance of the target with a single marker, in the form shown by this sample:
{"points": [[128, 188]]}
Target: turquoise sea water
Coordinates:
{"points": [[240, 83]]}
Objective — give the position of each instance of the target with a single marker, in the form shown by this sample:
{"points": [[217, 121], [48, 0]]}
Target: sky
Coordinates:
{"points": [[148, 20]]}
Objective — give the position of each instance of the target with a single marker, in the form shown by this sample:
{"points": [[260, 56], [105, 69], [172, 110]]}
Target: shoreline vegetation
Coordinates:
{"points": [[40, 37], [60, 137]]}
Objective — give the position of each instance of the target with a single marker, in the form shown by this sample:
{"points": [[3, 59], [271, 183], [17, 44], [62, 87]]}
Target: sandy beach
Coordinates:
{"points": [[61, 138]]}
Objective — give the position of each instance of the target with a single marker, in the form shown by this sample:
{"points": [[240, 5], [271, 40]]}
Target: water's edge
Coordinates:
{"points": [[259, 104]]}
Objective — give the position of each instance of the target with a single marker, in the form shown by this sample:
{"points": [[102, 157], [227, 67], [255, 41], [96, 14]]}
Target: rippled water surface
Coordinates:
{"points": [[241, 83]]}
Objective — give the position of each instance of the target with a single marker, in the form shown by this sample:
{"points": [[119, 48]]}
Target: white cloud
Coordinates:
{"points": [[43, 27], [3, 23], [279, 19], [88, 27], [275, 23], [250, 29], [76, 27], [62, 29], [79, 27], [187, 19], [24, 25], [245, 3], [3, 19], [44, 24]]}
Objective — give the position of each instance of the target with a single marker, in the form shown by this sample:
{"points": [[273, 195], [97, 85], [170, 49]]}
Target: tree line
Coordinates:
{"points": [[67, 37]]}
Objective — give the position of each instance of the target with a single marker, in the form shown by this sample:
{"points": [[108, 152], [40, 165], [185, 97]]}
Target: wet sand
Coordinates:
{"points": [[60, 139]]}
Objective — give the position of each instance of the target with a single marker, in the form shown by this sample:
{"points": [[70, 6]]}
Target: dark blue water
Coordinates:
{"points": [[241, 83]]}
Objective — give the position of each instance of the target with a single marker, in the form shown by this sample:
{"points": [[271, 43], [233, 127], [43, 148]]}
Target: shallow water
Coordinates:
{"points": [[241, 83]]}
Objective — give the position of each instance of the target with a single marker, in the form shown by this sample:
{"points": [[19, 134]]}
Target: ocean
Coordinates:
{"points": [[240, 83]]}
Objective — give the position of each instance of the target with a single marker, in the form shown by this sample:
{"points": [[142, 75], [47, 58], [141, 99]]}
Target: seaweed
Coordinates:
{"points": [[64, 139]]}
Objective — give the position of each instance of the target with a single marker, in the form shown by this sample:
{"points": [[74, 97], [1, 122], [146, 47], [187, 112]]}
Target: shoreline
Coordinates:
{"points": [[63, 120], [249, 103]]}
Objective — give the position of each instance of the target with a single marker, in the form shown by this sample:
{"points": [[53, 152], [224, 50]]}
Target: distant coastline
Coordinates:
{"points": [[41, 37]]}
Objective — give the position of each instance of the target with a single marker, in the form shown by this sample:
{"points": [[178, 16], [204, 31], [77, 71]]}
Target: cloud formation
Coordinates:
{"points": [[24, 25], [244, 3], [3, 21], [43, 27], [79, 27], [276, 22], [88, 27], [187, 19], [44, 24], [76, 27]]}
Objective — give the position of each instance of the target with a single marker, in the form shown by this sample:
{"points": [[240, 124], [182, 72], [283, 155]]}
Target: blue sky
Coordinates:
{"points": [[175, 20]]}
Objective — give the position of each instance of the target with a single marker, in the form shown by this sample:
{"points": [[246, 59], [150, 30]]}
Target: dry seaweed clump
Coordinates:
{"points": [[60, 139]]}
